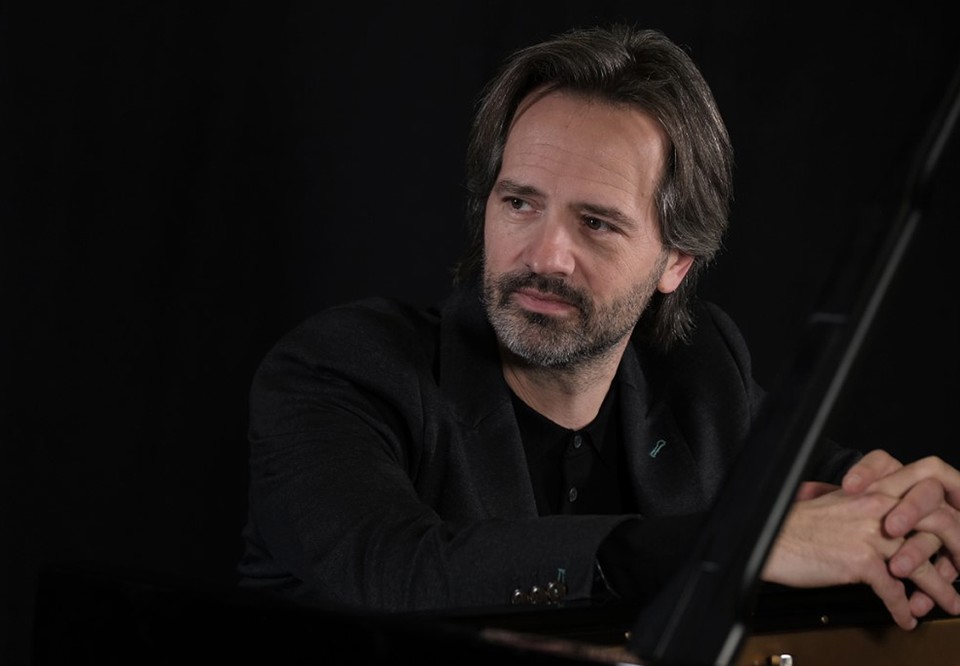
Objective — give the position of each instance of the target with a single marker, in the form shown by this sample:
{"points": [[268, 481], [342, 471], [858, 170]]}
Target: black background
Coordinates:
{"points": [[182, 182]]}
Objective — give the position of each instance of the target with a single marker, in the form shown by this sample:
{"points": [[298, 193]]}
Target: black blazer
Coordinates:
{"points": [[387, 471]]}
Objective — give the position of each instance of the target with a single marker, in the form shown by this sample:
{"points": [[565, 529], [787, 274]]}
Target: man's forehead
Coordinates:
{"points": [[606, 154]]}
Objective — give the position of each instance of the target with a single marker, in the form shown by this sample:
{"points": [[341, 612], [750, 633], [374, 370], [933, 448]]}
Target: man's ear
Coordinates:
{"points": [[678, 263]]}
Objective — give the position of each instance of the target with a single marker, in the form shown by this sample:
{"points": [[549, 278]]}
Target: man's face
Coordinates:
{"points": [[572, 252]]}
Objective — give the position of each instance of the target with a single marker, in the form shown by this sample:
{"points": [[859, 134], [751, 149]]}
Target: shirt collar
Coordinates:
{"points": [[543, 434]]}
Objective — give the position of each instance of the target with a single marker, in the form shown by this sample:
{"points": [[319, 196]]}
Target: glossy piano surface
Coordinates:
{"points": [[93, 616], [839, 626]]}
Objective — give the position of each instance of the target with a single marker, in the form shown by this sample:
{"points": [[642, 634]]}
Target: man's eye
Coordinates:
{"points": [[594, 224], [517, 204]]}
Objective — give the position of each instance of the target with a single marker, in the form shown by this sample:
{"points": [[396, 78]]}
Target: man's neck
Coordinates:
{"points": [[570, 397]]}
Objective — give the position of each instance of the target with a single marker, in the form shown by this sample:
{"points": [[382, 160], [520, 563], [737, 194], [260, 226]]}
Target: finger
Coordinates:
{"points": [[872, 466], [947, 569], [948, 475], [892, 593], [812, 489], [921, 500], [929, 581], [898, 482], [915, 552], [921, 604], [944, 523]]}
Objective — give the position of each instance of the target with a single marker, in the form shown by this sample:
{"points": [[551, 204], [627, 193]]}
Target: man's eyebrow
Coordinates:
{"points": [[612, 214], [512, 188], [507, 186]]}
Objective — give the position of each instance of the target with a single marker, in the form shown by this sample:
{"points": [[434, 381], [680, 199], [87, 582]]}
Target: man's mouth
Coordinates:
{"points": [[542, 302]]}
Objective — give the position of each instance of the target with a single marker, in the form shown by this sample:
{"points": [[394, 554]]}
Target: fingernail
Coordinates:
{"points": [[853, 480], [896, 525], [900, 565]]}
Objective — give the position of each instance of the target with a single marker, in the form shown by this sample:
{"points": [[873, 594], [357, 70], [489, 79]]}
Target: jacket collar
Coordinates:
{"points": [[470, 371]]}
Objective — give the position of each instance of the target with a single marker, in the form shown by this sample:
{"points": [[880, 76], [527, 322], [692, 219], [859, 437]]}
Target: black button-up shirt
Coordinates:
{"points": [[575, 471]]}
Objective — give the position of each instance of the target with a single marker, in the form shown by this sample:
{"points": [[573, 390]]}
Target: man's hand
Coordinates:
{"points": [[926, 517], [923, 486], [837, 539]]}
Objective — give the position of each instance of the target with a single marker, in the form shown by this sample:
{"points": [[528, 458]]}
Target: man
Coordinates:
{"points": [[560, 426]]}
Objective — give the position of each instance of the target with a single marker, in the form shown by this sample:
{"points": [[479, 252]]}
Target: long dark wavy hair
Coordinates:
{"points": [[623, 65]]}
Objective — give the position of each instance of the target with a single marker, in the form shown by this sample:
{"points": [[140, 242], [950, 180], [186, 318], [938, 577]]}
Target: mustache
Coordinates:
{"points": [[512, 282]]}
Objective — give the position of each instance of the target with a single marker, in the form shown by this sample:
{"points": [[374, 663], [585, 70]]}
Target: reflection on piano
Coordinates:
{"points": [[837, 626], [96, 615]]}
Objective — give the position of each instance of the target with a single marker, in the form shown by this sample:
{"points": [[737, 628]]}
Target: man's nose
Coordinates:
{"points": [[550, 249]]}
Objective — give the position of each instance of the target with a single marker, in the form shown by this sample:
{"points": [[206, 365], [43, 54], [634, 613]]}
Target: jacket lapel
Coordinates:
{"points": [[663, 472], [490, 437]]}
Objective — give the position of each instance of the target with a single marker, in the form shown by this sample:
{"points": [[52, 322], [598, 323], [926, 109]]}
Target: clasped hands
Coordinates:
{"points": [[887, 523]]}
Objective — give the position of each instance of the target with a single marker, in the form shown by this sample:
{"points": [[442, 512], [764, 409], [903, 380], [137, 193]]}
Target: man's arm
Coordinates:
{"points": [[367, 489]]}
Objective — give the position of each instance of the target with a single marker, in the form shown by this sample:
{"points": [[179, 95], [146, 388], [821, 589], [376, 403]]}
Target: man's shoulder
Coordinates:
{"points": [[714, 360], [370, 325], [385, 330], [385, 345], [375, 313], [714, 335]]}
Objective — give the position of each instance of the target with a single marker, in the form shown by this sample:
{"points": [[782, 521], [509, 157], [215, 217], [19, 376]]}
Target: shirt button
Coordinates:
{"points": [[577, 441], [572, 495]]}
